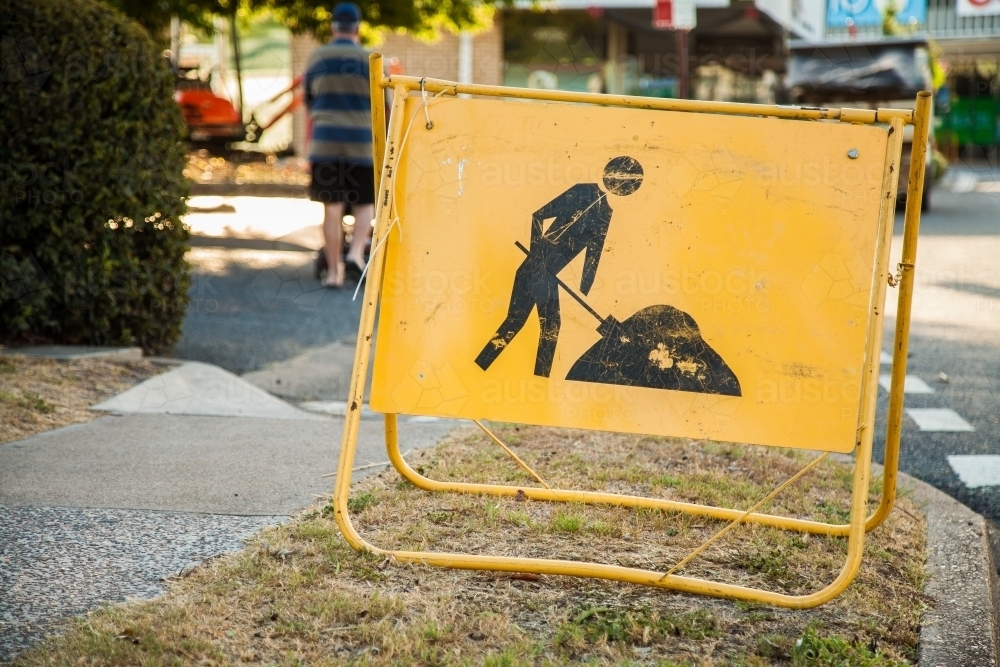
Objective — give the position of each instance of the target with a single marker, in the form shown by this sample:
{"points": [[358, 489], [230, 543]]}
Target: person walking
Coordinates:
{"points": [[580, 219], [340, 148]]}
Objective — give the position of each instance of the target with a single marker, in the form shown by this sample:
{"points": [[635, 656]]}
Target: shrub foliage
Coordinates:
{"points": [[93, 186]]}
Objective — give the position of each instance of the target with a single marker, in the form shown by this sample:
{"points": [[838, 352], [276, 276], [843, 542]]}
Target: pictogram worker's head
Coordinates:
{"points": [[623, 175]]}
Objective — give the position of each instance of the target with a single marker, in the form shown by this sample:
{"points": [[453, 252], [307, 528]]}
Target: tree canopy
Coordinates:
{"points": [[422, 18]]}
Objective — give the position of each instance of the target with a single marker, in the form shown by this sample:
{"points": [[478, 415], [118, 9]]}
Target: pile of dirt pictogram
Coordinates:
{"points": [[659, 347]]}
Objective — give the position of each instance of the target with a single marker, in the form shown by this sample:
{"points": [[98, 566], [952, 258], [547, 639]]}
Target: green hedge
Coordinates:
{"points": [[93, 186]]}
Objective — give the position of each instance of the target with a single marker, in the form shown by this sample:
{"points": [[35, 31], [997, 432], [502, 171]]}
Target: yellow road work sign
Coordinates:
{"points": [[653, 272]]}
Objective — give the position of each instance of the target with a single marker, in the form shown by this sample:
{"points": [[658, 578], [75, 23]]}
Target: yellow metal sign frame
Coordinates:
{"points": [[387, 149]]}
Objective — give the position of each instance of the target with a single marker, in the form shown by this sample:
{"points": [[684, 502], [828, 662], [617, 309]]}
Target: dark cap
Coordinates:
{"points": [[347, 12]]}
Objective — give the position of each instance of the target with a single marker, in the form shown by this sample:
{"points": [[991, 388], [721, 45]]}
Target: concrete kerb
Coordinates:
{"points": [[71, 352], [962, 627]]}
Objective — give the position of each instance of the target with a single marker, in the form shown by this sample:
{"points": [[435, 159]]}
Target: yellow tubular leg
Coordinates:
{"points": [[594, 497], [856, 534], [880, 284], [900, 345], [368, 306]]}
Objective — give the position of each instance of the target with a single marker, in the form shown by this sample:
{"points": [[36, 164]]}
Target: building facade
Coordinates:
{"points": [[964, 38], [737, 51]]}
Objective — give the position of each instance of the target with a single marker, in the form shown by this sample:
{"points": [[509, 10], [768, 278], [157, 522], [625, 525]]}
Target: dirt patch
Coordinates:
{"points": [[300, 594], [42, 394]]}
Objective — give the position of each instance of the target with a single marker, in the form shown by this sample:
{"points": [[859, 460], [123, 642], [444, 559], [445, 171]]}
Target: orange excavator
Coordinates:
{"points": [[213, 120]]}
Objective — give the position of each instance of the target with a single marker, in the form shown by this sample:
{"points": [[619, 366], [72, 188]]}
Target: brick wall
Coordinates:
{"points": [[302, 46], [439, 60]]}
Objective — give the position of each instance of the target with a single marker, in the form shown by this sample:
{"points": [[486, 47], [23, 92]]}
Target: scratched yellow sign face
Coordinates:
{"points": [[629, 270]]}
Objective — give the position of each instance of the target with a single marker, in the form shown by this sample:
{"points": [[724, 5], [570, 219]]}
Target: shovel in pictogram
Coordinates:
{"points": [[659, 347]]}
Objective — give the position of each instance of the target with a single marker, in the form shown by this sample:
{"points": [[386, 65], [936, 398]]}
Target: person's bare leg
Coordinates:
{"points": [[333, 233], [363, 215]]}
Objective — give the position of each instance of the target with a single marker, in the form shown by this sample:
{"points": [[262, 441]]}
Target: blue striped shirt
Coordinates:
{"points": [[338, 98]]}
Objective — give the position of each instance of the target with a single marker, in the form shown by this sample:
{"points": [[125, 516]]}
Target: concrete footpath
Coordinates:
{"points": [[192, 462], [188, 465]]}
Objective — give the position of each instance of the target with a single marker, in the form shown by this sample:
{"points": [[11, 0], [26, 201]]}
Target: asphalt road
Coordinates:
{"points": [[250, 308], [955, 331]]}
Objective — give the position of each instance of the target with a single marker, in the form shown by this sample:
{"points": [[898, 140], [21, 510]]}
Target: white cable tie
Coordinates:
{"points": [[427, 113], [393, 223]]}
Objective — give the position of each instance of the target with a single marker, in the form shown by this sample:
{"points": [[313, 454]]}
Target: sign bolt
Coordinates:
{"points": [[853, 153]]}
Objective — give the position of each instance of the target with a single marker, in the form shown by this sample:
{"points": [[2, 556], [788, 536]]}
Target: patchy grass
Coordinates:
{"points": [[362, 501], [298, 594], [812, 648], [28, 401], [41, 394]]}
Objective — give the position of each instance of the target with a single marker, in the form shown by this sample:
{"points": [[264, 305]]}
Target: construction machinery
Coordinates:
{"points": [[214, 117]]}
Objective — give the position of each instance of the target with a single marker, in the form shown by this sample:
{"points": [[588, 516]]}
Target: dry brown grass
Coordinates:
{"points": [[41, 394], [300, 595]]}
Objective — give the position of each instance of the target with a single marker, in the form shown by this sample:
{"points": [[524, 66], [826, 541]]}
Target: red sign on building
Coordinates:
{"points": [[676, 14], [663, 14]]}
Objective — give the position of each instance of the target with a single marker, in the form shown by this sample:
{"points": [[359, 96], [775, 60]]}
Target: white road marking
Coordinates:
{"points": [[913, 384], [885, 358], [938, 419], [978, 470]]}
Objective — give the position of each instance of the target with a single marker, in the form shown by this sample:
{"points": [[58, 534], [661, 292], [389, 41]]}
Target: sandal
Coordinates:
{"points": [[330, 279]]}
